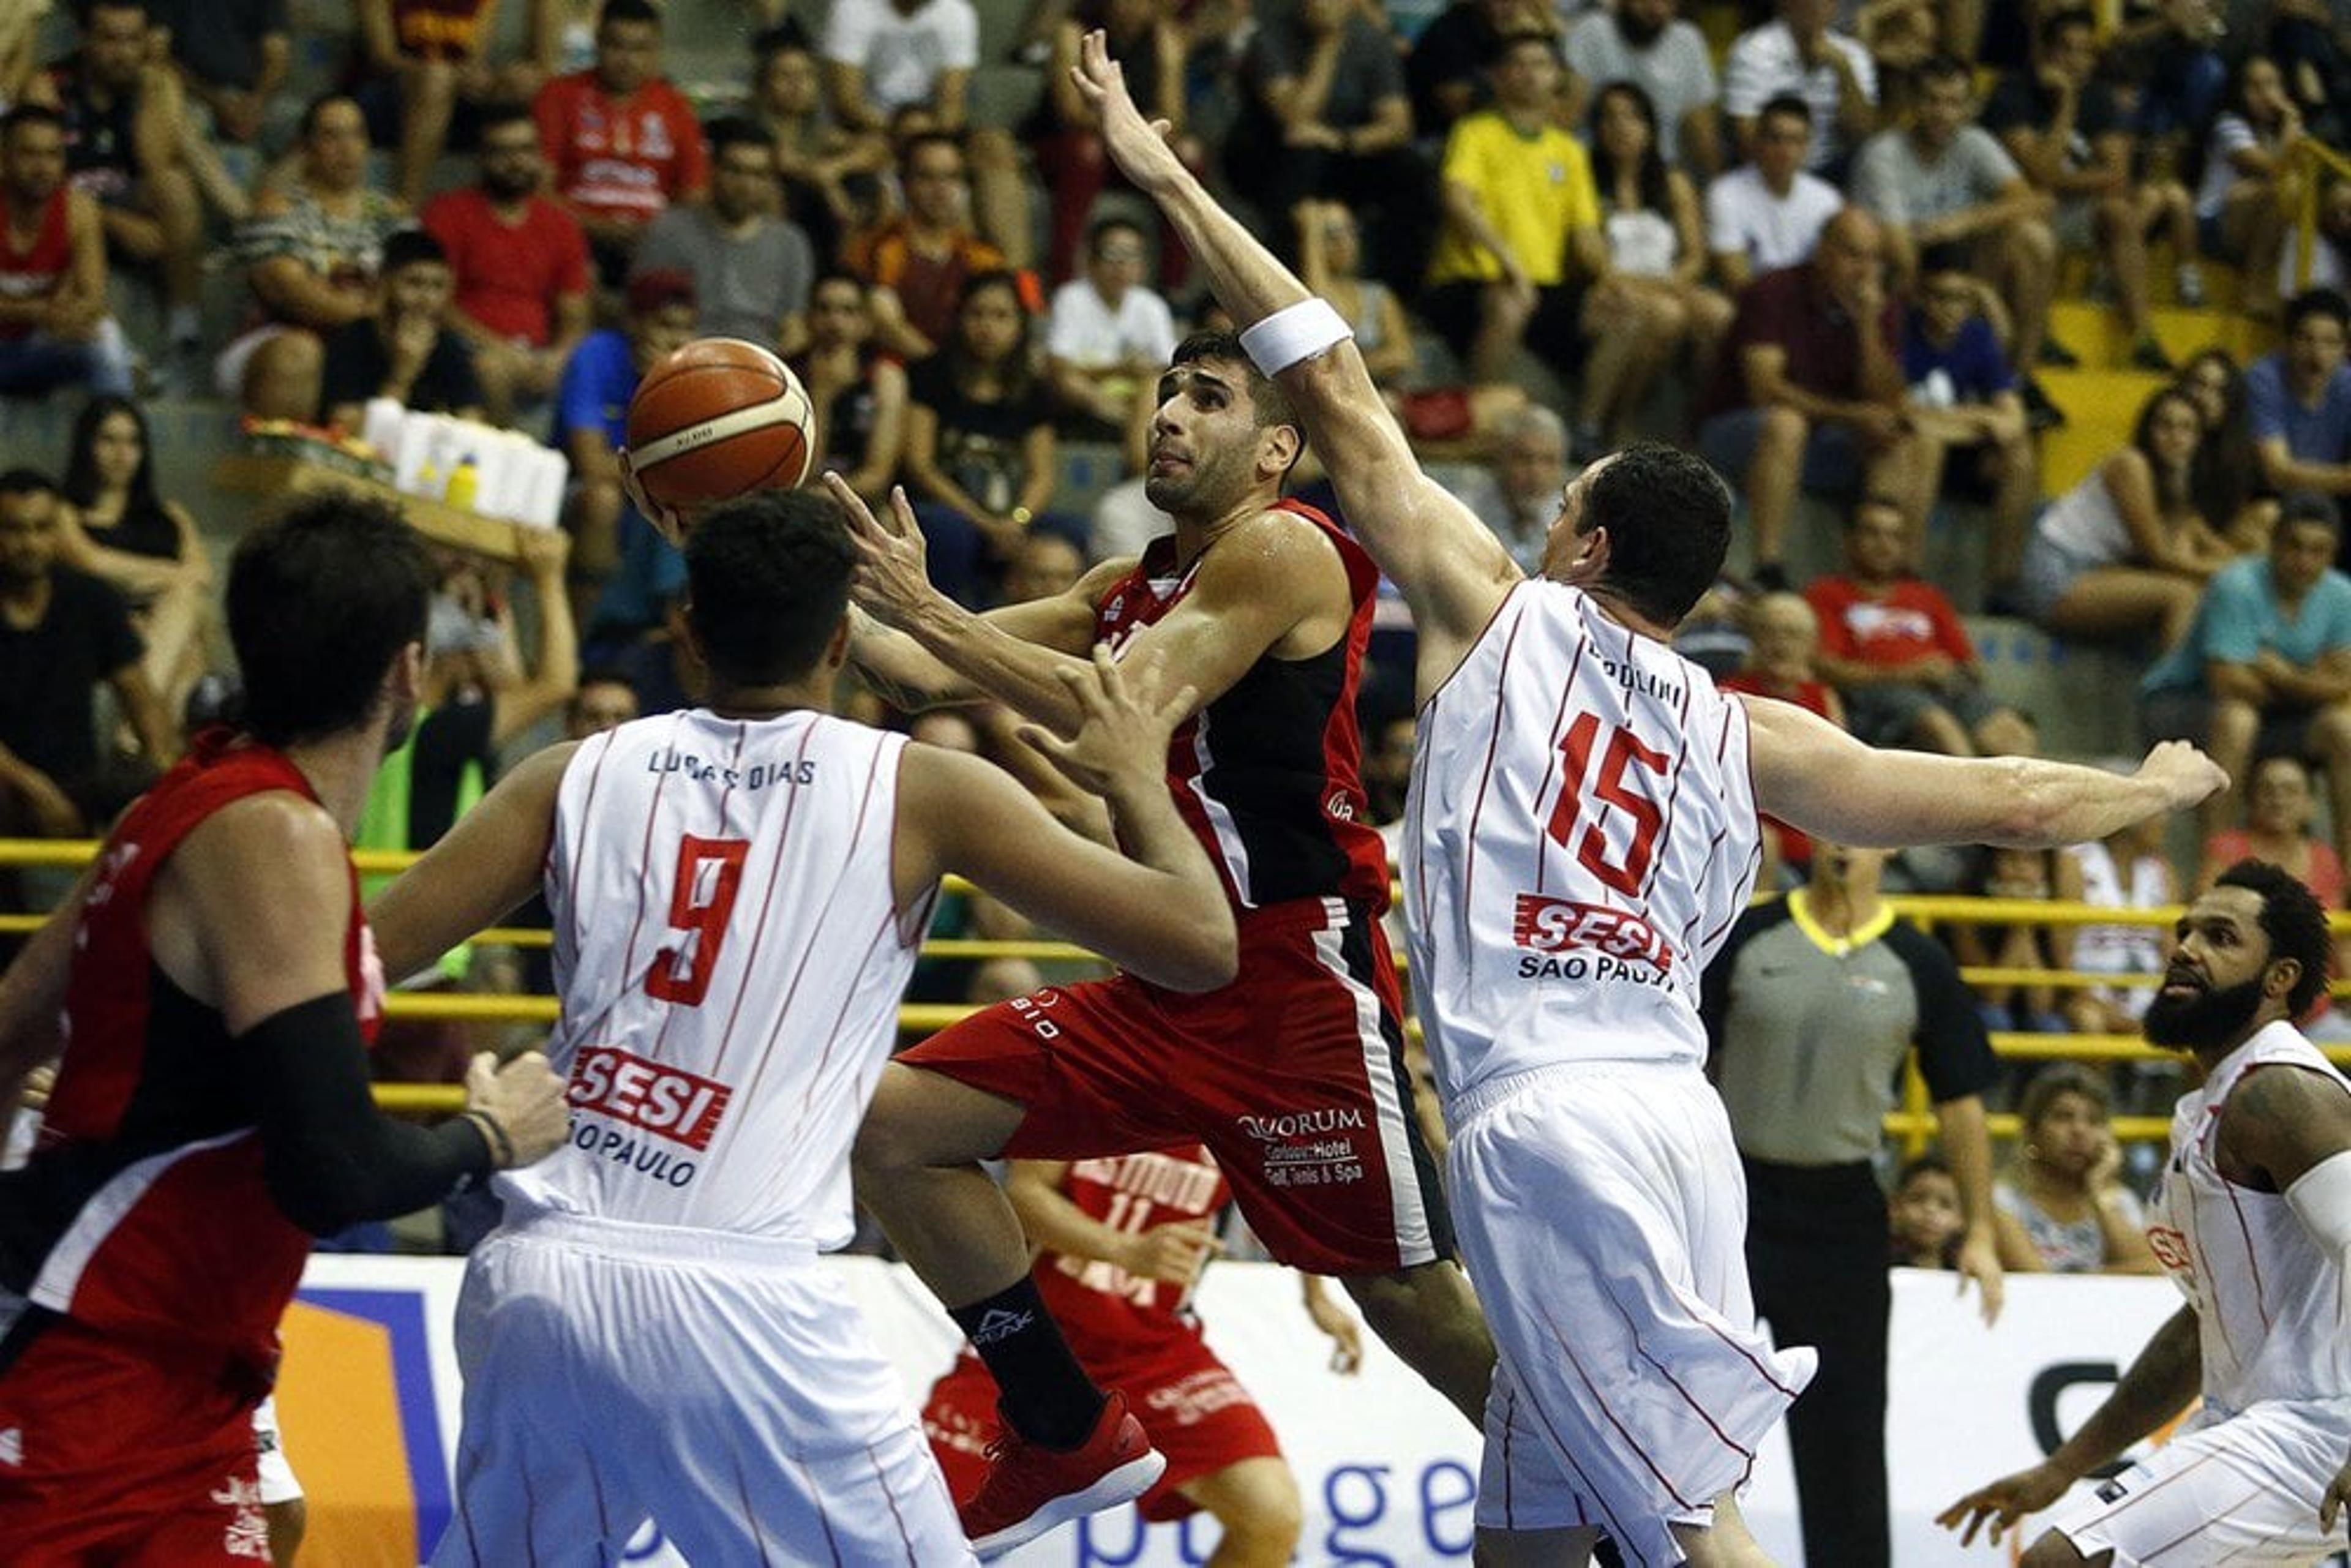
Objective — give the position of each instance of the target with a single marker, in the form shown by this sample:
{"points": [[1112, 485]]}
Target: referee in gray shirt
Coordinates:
{"points": [[1810, 1009]]}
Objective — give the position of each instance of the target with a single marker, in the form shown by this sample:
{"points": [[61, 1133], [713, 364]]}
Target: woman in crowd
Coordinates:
{"points": [[858, 392], [2126, 552], [119, 531], [2228, 481], [1654, 294], [2060, 1208], [2248, 184], [824, 168], [2020, 944], [981, 451]]}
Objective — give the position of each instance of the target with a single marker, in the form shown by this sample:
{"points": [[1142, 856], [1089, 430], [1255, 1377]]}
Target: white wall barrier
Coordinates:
{"points": [[1387, 1469]]}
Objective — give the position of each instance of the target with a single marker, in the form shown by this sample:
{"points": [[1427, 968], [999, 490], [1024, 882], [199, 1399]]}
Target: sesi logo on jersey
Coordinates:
{"points": [[662, 1100], [1543, 924], [2170, 1248]]}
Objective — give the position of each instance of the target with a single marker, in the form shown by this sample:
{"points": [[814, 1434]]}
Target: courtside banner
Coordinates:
{"points": [[1386, 1468]]}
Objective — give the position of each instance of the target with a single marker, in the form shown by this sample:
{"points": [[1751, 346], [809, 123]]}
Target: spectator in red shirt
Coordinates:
{"points": [[623, 142], [920, 261], [1893, 646], [1783, 662], [520, 263], [1807, 396]]}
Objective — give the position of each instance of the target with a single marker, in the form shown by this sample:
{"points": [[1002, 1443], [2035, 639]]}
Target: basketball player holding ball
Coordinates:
{"points": [[1264, 606]]}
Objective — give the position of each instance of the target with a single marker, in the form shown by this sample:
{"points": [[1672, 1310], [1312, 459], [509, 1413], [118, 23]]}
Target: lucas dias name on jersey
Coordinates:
{"points": [[759, 775]]}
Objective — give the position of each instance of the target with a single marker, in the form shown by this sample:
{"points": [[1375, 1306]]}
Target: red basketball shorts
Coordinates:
{"points": [[111, 1453], [1294, 1075]]}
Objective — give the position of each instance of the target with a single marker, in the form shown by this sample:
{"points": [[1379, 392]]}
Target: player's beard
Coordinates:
{"points": [[2205, 1020]]}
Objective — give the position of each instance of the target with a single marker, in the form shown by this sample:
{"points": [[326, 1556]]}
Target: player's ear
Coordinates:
{"points": [[1282, 445], [1591, 562], [405, 679], [836, 653], [2280, 978]]}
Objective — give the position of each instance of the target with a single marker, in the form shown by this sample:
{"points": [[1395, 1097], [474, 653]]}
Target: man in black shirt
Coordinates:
{"points": [[62, 635], [405, 351]]}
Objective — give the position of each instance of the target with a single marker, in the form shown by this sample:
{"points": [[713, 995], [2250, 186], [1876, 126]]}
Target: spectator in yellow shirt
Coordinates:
{"points": [[1521, 243]]}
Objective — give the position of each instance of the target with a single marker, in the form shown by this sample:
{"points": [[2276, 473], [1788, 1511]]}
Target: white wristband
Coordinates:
{"points": [[1292, 334]]}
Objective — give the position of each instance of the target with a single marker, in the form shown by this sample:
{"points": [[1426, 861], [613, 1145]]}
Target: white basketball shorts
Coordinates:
{"points": [[1602, 1214], [723, 1387], [2240, 1489]]}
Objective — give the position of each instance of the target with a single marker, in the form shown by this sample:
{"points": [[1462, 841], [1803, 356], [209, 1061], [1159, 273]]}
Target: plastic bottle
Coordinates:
{"points": [[465, 484]]}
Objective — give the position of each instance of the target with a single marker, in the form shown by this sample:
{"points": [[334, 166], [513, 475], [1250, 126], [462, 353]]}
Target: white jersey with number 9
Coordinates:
{"points": [[730, 958], [1580, 836]]}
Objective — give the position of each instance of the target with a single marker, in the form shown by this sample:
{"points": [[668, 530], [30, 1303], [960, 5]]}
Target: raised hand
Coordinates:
{"points": [[893, 580], [670, 523], [1120, 743], [1138, 146]]}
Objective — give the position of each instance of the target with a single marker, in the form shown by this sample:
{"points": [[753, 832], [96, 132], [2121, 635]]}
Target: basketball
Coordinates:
{"points": [[715, 419]]}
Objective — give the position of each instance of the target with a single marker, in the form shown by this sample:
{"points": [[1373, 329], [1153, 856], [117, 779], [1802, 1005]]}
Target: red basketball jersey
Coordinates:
{"points": [[143, 1212], [1270, 775], [1104, 1310]]}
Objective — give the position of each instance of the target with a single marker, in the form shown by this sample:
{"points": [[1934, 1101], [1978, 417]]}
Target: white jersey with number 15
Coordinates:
{"points": [[1580, 836], [730, 958]]}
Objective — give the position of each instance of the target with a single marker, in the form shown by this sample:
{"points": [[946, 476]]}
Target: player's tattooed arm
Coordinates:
{"points": [[2280, 1123], [1020, 654]]}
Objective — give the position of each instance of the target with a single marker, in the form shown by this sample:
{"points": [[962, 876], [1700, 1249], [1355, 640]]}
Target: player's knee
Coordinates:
{"points": [[1256, 1504], [888, 1143], [2053, 1551]]}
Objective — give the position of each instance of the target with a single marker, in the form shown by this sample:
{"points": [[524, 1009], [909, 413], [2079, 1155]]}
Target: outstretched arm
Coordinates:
{"points": [[1812, 775], [1157, 910], [2158, 1385], [1452, 570]]}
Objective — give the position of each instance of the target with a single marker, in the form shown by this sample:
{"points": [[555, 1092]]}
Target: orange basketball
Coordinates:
{"points": [[719, 418]]}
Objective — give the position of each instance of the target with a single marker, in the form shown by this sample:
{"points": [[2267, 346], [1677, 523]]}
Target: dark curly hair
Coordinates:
{"points": [[2293, 920], [767, 583]]}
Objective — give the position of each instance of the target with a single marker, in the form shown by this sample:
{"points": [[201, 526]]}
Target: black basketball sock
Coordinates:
{"points": [[1047, 1396]]}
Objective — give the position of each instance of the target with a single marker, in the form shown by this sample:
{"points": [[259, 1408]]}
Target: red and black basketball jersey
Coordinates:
{"points": [[1270, 775], [143, 1211]]}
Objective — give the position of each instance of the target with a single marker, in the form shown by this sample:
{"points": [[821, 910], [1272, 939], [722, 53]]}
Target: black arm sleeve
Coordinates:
{"points": [[331, 1159]]}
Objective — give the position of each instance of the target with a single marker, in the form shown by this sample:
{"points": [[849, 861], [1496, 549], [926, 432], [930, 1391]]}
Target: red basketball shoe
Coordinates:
{"points": [[1030, 1488]]}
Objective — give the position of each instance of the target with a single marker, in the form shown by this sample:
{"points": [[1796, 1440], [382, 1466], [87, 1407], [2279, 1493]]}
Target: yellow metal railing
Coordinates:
{"points": [[2318, 159], [1912, 1126]]}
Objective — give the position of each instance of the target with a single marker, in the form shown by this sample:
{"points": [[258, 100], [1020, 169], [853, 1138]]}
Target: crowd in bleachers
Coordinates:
{"points": [[1869, 257]]}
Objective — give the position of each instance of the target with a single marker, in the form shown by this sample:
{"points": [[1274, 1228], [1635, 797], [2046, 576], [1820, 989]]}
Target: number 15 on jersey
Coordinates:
{"points": [[1610, 787]]}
